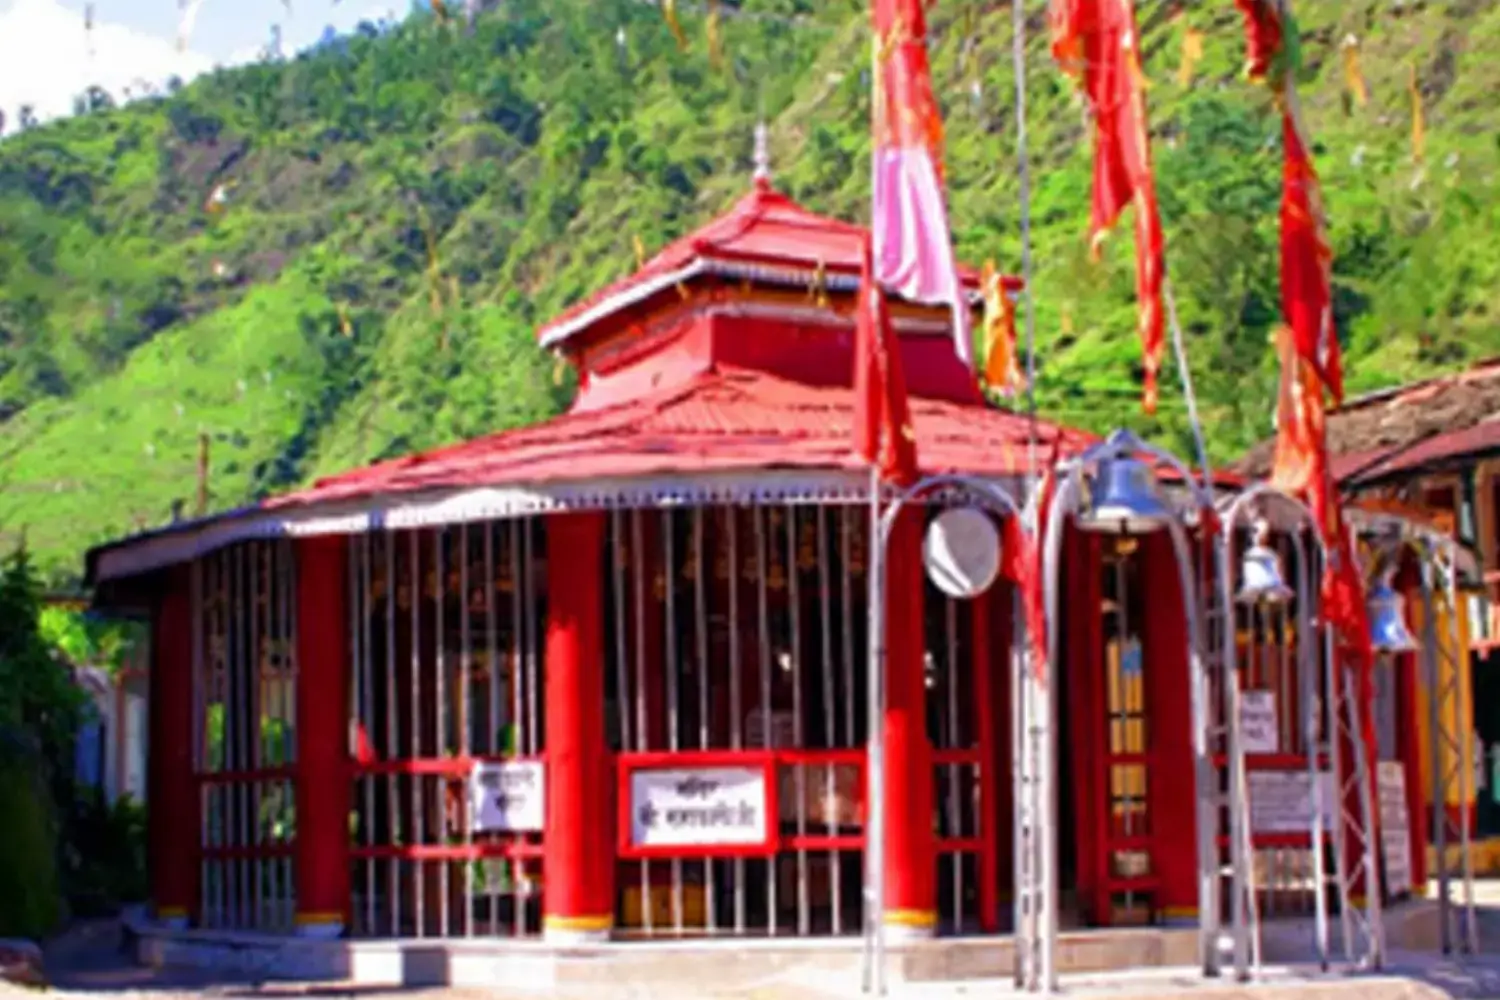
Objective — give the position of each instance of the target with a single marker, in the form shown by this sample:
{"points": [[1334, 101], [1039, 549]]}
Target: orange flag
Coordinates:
{"points": [[1096, 41], [669, 11], [1001, 370], [883, 434], [1354, 78], [1192, 55]]}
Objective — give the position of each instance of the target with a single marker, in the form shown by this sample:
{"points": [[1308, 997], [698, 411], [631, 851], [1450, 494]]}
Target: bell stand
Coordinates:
{"points": [[1070, 499], [1437, 555], [1360, 935], [1030, 903]]}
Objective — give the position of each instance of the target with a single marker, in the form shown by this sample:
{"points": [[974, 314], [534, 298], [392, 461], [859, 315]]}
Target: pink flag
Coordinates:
{"points": [[913, 249]]}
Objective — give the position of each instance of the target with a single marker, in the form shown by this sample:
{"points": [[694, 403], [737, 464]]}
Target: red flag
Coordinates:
{"points": [[913, 250], [883, 432], [1262, 36], [1306, 258], [1307, 262], [1096, 42]]}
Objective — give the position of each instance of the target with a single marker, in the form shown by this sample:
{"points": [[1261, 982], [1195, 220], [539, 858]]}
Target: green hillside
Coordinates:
{"points": [[306, 327]]}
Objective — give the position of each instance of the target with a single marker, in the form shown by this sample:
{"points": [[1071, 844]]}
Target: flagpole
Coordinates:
{"points": [[874, 971], [1023, 177]]}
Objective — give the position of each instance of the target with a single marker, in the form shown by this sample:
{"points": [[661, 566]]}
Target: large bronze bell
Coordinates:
{"points": [[1125, 498]]}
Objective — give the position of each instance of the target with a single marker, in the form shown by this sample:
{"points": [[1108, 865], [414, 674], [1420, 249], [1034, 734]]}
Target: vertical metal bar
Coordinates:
{"points": [[700, 633], [639, 583], [1464, 755], [419, 824], [440, 711], [736, 695], [492, 720], [520, 739], [392, 733], [794, 626], [1334, 724], [1435, 755], [669, 570], [875, 826], [830, 715], [1307, 678], [767, 696], [533, 681], [465, 723]]}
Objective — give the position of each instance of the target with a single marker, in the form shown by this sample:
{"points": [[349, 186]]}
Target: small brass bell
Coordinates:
{"points": [[1125, 498], [1388, 631], [1261, 580]]}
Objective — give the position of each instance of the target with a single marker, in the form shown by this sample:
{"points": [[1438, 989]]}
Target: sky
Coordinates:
{"points": [[45, 58]]}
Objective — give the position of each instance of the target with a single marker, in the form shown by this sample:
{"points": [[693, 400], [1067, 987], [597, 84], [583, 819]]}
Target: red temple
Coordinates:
{"points": [[605, 675]]}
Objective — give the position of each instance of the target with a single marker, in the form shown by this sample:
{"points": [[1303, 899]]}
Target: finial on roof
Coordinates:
{"points": [[762, 155]]}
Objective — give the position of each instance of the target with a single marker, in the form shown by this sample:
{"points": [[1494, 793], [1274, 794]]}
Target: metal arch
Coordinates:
{"points": [[1438, 556], [1065, 501], [882, 521], [1308, 597]]}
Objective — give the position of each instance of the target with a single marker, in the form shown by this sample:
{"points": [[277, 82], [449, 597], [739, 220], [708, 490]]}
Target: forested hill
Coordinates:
{"points": [[325, 260]]}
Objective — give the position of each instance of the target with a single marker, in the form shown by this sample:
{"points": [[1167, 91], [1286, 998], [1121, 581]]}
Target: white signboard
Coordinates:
{"points": [[698, 807], [1395, 826], [1258, 729], [508, 796], [1281, 801]]}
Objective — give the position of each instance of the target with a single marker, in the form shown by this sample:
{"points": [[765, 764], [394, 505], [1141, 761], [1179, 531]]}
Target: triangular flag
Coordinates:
{"points": [[669, 11], [1354, 79]]}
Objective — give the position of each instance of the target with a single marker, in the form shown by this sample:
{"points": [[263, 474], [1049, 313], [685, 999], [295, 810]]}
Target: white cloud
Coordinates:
{"points": [[45, 60]]}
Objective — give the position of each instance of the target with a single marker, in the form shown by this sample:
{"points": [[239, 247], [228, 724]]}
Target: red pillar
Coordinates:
{"points": [[911, 844], [172, 824], [579, 859], [1170, 791], [322, 769], [1088, 729], [1409, 729]]}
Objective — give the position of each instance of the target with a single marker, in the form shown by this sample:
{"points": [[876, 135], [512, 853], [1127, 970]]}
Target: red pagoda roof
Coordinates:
{"points": [[725, 420], [765, 236]]}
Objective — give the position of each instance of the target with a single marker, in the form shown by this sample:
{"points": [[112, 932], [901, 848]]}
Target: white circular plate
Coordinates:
{"points": [[962, 552]]}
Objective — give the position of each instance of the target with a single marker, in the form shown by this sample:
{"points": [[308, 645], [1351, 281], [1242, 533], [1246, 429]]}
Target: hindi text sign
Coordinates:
{"points": [[1258, 729], [508, 796], [699, 807]]}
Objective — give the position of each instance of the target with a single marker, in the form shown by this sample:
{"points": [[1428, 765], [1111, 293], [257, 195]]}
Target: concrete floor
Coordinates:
{"points": [[91, 962]]}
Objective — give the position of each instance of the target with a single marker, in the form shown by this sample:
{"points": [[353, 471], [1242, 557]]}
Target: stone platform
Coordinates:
{"points": [[732, 965]]}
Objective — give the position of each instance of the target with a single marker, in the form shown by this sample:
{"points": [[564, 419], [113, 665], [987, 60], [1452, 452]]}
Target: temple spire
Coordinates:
{"points": [[762, 174]]}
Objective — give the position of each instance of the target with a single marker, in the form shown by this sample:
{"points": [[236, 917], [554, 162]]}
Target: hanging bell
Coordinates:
{"points": [[1125, 498], [1388, 631], [1261, 580]]}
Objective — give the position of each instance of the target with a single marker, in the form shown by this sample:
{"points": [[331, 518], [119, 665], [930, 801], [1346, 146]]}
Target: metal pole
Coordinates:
{"points": [[1435, 754], [874, 971]]}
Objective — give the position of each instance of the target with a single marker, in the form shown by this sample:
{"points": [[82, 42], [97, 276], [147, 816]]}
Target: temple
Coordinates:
{"points": [[605, 677]]}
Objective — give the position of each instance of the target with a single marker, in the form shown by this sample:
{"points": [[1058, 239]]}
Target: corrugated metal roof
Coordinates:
{"points": [[764, 228], [722, 420]]}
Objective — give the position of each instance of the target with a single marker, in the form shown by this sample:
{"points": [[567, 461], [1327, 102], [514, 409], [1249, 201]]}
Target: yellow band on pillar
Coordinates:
{"points": [[911, 918], [169, 912], [326, 917], [562, 923], [1179, 912]]}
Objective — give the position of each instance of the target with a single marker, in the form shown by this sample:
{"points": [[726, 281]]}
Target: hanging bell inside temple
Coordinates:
{"points": [[1125, 498], [1261, 580], [1388, 631]]}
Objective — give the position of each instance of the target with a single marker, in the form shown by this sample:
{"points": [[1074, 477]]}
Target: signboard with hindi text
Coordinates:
{"points": [[1281, 801], [507, 796], [1258, 729], [1395, 826], [708, 810]]}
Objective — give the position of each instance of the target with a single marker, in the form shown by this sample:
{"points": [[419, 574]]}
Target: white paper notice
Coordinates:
{"points": [[1395, 826], [698, 807], [1281, 801], [1258, 729], [508, 796]]}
